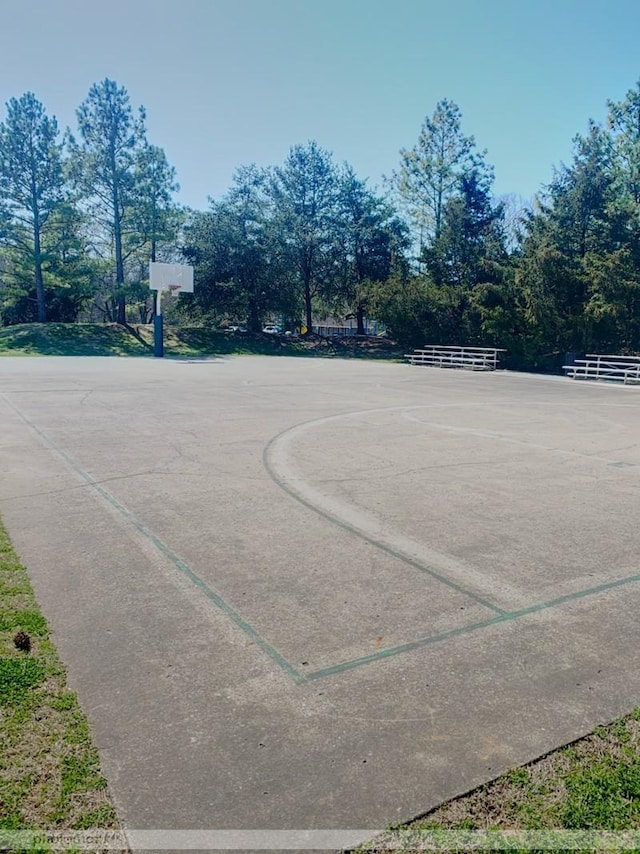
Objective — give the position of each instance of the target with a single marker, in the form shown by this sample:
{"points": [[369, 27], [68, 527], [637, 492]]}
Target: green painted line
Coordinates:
{"points": [[389, 550], [392, 651], [342, 667], [508, 616], [162, 547], [578, 594], [224, 606]]}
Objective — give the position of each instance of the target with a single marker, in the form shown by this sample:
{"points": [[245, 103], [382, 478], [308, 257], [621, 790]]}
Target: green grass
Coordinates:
{"points": [[50, 776], [95, 339], [591, 785], [69, 339]]}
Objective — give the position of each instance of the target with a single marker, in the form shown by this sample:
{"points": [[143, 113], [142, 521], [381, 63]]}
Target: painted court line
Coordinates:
{"points": [[506, 617], [504, 437], [357, 522], [164, 549], [244, 626]]}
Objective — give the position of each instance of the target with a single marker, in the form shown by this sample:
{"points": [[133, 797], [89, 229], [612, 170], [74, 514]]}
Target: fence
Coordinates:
{"points": [[327, 330]]}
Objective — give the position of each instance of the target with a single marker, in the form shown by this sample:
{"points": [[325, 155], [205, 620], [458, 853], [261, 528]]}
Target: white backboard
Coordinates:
{"points": [[162, 276]]}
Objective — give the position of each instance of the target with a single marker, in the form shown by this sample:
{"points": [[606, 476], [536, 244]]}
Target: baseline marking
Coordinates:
{"points": [[164, 549], [509, 616], [335, 669]]}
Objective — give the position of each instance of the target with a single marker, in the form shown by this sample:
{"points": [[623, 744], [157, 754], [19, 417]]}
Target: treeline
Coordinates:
{"points": [[303, 238], [81, 214], [435, 257]]}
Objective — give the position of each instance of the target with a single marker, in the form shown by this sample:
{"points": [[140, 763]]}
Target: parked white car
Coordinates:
{"points": [[271, 329]]}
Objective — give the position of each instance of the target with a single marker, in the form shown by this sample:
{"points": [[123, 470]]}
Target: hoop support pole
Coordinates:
{"points": [[158, 337]]}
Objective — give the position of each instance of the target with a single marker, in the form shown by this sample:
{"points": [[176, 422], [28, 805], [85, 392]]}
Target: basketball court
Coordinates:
{"points": [[311, 594]]}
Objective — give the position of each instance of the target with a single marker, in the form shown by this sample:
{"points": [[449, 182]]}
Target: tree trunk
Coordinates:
{"points": [[307, 306], [110, 310], [122, 311], [254, 324], [117, 233], [360, 330], [42, 308]]}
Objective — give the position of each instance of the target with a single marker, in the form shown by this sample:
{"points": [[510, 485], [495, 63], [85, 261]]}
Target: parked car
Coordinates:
{"points": [[236, 328], [271, 329]]}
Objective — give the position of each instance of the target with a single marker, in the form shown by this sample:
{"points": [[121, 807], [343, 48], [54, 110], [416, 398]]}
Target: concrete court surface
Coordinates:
{"points": [[315, 594]]}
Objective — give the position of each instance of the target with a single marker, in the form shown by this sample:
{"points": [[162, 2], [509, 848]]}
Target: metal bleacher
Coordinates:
{"points": [[468, 358], [625, 369]]}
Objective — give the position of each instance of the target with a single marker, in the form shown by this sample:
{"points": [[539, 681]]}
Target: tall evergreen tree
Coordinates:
{"points": [[570, 234], [305, 193], [32, 185], [373, 240], [104, 166], [624, 120], [69, 271], [240, 268], [430, 172], [470, 246], [157, 217]]}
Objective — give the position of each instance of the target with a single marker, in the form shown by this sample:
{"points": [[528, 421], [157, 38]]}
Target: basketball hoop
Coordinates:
{"points": [[170, 277], [174, 278]]}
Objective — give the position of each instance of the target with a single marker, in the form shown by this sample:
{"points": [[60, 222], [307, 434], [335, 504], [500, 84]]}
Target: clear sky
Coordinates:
{"points": [[231, 82]]}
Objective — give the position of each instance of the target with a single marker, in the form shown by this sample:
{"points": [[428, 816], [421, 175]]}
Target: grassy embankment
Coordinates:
{"points": [[95, 339]]}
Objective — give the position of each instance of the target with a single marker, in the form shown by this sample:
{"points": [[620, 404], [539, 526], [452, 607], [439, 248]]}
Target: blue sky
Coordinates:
{"points": [[231, 82]]}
